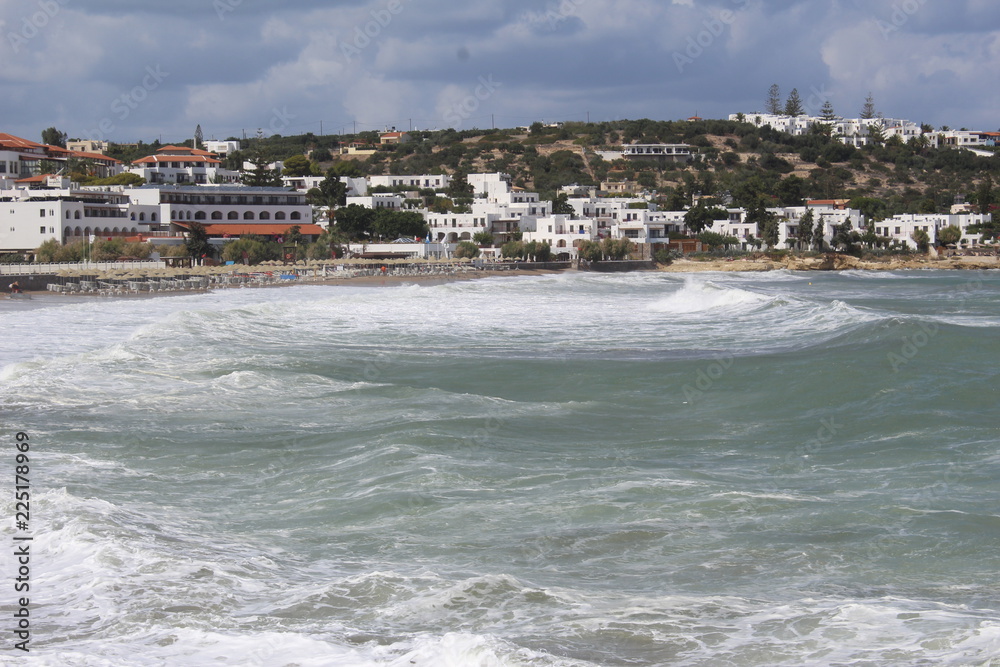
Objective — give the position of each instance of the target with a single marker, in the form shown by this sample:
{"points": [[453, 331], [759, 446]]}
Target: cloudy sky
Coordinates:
{"points": [[127, 70]]}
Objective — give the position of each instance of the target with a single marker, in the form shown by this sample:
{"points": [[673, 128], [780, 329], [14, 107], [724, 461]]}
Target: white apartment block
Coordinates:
{"points": [[458, 227], [901, 227], [28, 218], [223, 148], [378, 200], [645, 226], [221, 205], [563, 233], [423, 182], [181, 165]]}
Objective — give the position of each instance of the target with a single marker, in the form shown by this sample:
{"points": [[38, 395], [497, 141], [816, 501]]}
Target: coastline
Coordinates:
{"points": [[832, 262]]}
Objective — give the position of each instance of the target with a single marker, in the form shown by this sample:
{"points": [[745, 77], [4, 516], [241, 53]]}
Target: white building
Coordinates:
{"points": [[28, 218], [379, 200], [902, 227], [432, 181], [180, 165], [222, 148]]}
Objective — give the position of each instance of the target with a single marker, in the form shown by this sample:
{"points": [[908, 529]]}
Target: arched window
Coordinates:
{"points": [[67, 232], [67, 215], [216, 215], [296, 215], [86, 231], [233, 215], [77, 232], [264, 215], [248, 215], [199, 215], [142, 216], [280, 215], [152, 217], [76, 215]]}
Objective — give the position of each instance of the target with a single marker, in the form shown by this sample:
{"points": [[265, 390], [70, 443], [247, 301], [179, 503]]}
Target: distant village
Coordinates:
{"points": [[186, 186]]}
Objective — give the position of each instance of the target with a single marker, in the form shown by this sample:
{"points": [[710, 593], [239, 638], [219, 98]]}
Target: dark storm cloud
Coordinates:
{"points": [[237, 64]]}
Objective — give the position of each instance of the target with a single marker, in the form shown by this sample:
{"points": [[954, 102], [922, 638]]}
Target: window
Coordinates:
{"points": [[233, 215], [248, 215], [41, 230], [296, 215], [41, 213]]}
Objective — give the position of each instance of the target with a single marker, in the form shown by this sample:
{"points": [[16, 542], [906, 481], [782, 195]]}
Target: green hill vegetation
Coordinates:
{"points": [[731, 158]]}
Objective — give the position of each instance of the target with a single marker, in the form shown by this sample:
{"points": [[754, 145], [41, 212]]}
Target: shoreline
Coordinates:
{"points": [[833, 262], [758, 265]]}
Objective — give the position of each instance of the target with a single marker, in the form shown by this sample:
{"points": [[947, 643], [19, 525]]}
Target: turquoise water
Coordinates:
{"points": [[644, 469]]}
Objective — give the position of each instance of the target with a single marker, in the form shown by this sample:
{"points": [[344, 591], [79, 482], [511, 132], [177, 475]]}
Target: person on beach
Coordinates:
{"points": [[15, 287]]}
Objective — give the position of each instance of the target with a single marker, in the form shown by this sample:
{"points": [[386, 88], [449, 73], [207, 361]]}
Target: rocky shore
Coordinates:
{"points": [[831, 262]]}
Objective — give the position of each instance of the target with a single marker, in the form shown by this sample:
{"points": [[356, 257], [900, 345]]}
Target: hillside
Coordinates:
{"points": [[732, 156]]}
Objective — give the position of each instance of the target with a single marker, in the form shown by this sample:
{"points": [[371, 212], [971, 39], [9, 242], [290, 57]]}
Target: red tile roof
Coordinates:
{"points": [[99, 157], [157, 159], [264, 229], [11, 142]]}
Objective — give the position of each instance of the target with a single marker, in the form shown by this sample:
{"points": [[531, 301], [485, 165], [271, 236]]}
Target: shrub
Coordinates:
{"points": [[466, 249]]}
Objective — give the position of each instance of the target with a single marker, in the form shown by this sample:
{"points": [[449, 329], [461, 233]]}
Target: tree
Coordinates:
{"points": [[261, 175], [590, 251], [793, 106], [819, 235], [483, 238], [715, 240], [826, 112], [348, 168], [617, 249], [984, 197], [197, 241], [950, 235], [466, 249], [561, 205], [773, 103], [391, 225], [868, 110], [806, 228], [250, 250], [922, 239], [297, 165], [699, 217], [459, 187], [53, 137], [354, 221]]}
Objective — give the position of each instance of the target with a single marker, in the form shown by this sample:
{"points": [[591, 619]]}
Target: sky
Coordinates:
{"points": [[124, 70]]}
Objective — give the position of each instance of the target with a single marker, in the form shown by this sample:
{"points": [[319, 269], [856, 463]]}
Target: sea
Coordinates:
{"points": [[574, 469]]}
